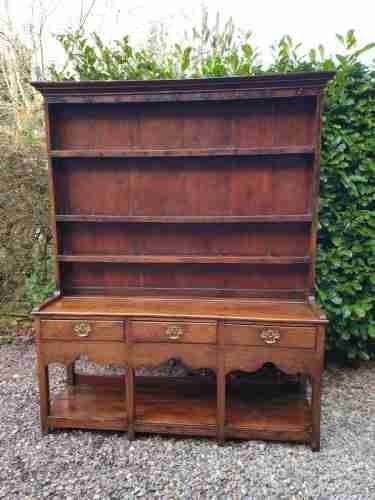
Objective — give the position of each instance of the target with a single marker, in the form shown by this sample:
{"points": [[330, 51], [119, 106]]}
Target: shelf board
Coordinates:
{"points": [[291, 294], [134, 152], [89, 406], [183, 405], [185, 259], [177, 219]]}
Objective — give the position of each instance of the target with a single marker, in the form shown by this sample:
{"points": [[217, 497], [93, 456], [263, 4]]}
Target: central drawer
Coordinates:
{"points": [[181, 331]]}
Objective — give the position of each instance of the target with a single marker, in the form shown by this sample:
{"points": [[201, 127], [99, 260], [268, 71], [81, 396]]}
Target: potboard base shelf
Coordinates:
{"points": [[95, 402], [183, 406]]}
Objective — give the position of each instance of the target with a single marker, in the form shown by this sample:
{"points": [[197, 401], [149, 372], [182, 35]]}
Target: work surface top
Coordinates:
{"points": [[243, 309]]}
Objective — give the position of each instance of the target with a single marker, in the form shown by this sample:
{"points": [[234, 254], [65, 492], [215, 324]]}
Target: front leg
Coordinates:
{"points": [[44, 401], [315, 412]]}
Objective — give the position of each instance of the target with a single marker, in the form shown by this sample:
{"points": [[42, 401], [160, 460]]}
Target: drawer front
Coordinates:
{"points": [[82, 330], [199, 332], [299, 337]]}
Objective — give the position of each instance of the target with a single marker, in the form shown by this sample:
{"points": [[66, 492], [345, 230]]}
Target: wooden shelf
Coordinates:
{"points": [[264, 412], [185, 259], [180, 152], [177, 219], [291, 294]]}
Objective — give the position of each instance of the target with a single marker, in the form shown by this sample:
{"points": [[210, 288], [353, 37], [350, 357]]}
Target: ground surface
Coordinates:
{"points": [[102, 465]]}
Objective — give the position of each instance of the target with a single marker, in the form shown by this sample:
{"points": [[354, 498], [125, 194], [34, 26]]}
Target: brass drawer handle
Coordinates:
{"points": [[174, 332], [82, 329], [270, 335]]}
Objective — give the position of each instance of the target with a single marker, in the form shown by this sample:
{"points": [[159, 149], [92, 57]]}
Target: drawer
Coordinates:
{"points": [[192, 332], [82, 330], [300, 337]]}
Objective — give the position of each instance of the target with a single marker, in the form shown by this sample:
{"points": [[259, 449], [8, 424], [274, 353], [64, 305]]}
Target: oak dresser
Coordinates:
{"points": [[184, 216]]}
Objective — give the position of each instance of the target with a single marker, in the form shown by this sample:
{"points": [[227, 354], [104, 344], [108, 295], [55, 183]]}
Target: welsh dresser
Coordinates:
{"points": [[184, 216]]}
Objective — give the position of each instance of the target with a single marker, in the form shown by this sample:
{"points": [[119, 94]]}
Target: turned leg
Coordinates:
{"points": [[44, 404], [130, 401], [220, 409], [70, 374], [315, 410]]}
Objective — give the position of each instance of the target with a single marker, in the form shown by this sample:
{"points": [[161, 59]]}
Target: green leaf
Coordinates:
{"points": [[371, 330], [364, 49], [336, 299], [340, 38], [360, 311]]}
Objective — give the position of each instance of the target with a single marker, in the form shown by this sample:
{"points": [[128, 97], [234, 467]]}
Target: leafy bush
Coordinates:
{"points": [[345, 263], [346, 256], [39, 283], [24, 227]]}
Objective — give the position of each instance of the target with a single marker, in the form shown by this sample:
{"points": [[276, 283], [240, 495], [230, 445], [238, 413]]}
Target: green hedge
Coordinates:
{"points": [[345, 263], [346, 256]]}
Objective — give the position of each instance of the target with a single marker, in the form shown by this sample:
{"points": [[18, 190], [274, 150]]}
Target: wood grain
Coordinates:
{"points": [[229, 219], [185, 259], [134, 152]]}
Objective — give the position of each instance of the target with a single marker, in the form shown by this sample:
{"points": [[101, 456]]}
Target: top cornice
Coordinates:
{"points": [[260, 86]]}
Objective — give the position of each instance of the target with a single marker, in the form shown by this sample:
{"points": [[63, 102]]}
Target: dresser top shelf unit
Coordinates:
{"points": [[190, 187]]}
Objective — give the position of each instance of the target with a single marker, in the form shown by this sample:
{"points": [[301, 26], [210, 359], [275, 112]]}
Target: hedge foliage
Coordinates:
{"points": [[25, 276], [24, 229], [346, 262], [346, 256]]}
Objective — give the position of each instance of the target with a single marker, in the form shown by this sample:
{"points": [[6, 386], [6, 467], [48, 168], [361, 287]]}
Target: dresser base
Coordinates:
{"points": [[258, 411], [252, 353]]}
